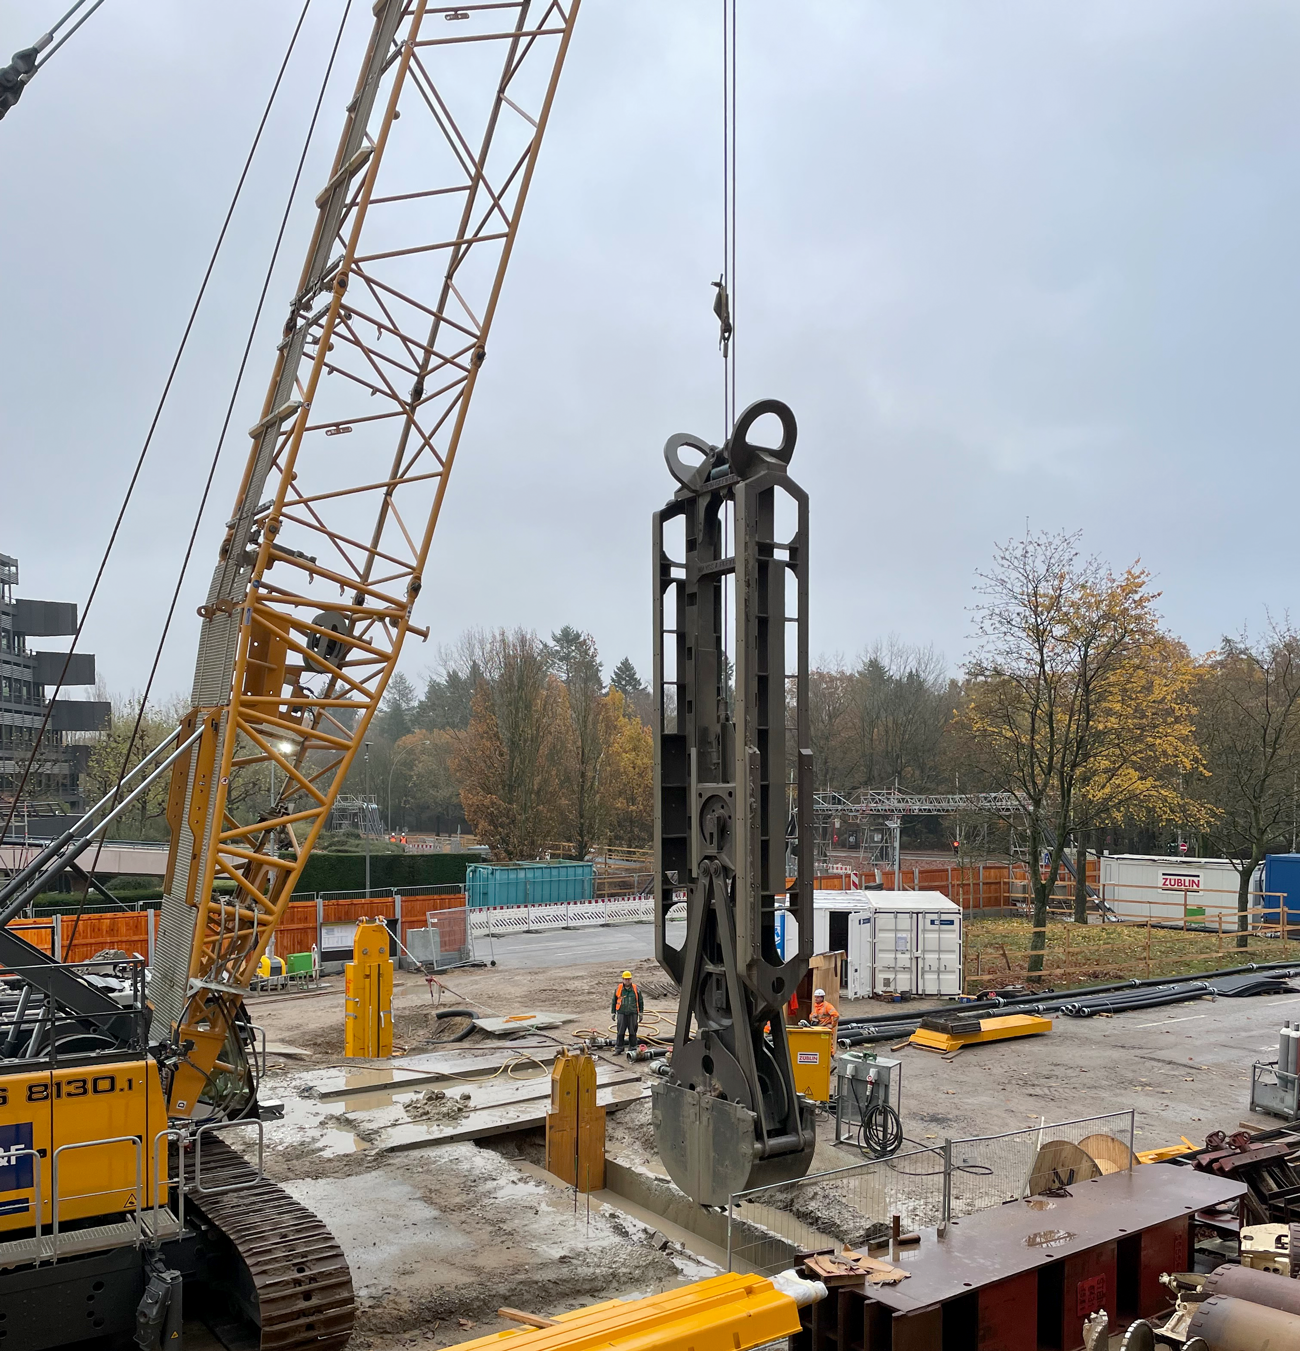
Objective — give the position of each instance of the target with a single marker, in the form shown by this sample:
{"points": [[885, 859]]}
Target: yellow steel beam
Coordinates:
{"points": [[724, 1313], [991, 1029]]}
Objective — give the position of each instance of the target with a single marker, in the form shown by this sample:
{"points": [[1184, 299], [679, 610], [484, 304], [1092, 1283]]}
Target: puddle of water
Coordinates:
{"points": [[1048, 1238], [368, 1077], [1038, 1203], [313, 1121], [369, 1101]]}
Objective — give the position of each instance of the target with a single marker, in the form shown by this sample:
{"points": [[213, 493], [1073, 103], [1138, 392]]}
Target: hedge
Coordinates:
{"points": [[324, 872], [347, 872]]}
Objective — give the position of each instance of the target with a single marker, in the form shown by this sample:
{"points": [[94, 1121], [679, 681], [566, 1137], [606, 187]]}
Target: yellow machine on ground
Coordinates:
{"points": [[811, 1051], [119, 1183], [368, 993]]}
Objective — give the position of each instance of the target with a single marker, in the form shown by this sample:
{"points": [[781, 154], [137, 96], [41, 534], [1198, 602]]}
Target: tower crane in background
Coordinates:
{"points": [[312, 596]]}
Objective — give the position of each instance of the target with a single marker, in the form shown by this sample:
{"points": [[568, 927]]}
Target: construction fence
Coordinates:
{"points": [[1146, 933], [926, 1186], [975, 887], [325, 922]]}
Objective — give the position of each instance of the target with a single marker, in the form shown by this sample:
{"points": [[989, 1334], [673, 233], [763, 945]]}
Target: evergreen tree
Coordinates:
{"points": [[573, 657], [446, 702], [625, 679], [396, 716]]}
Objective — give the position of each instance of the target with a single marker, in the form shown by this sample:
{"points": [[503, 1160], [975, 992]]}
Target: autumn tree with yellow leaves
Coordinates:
{"points": [[1076, 699]]}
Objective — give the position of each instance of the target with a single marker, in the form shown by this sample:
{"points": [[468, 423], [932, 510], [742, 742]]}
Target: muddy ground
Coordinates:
{"points": [[440, 1238]]}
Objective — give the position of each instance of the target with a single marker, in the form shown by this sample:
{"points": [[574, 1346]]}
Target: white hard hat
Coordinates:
{"points": [[819, 994]]}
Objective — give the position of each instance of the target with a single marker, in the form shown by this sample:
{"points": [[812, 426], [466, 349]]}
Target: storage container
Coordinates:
{"points": [[529, 883], [1174, 890], [897, 942]]}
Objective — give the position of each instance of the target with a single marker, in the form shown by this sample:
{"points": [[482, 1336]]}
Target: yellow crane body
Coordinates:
{"points": [[95, 1126]]}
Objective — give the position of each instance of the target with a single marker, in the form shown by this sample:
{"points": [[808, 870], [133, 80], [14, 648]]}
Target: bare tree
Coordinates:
{"points": [[1249, 731], [831, 710]]}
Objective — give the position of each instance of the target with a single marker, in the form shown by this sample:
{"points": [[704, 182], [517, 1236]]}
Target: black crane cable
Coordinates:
{"points": [[153, 425], [234, 393]]}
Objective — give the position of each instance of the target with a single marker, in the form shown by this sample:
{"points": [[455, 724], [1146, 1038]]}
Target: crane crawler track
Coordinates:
{"points": [[295, 1284]]}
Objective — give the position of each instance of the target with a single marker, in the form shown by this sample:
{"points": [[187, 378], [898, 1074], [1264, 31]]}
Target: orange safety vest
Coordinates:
{"points": [[618, 999]]}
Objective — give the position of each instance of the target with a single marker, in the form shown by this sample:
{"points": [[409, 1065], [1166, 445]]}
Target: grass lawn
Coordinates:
{"points": [[1090, 954]]}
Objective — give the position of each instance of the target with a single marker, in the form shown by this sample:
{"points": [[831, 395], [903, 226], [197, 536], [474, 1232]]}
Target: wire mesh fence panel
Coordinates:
{"points": [[990, 1170], [925, 1187], [769, 1225]]}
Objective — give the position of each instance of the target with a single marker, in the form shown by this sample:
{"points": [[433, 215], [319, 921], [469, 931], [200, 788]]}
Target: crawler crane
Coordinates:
{"points": [[118, 1192]]}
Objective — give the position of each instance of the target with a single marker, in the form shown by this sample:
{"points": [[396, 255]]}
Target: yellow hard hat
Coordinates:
{"points": [[627, 975]]}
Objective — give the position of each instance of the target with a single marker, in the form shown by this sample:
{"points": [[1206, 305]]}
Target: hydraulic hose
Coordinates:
{"points": [[456, 1013]]}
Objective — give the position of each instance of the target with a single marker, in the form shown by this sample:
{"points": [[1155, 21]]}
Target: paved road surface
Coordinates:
{"points": [[618, 944]]}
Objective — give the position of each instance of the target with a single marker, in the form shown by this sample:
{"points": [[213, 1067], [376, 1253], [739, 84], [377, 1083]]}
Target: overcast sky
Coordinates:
{"points": [[1009, 263]]}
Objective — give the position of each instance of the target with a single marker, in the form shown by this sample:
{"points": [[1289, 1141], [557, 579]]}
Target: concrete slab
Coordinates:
{"points": [[526, 1114]]}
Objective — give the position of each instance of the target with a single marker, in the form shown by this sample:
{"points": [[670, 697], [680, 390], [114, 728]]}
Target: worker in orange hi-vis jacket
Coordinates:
{"points": [[824, 1013], [627, 1006]]}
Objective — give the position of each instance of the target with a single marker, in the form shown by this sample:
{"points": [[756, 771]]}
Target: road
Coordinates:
{"points": [[616, 944]]}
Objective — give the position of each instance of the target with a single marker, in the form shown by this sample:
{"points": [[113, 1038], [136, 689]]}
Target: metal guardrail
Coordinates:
{"points": [[136, 1143], [211, 1127]]}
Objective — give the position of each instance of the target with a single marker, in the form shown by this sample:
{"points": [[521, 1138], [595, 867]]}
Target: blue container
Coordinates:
{"points": [[1282, 874], [529, 883]]}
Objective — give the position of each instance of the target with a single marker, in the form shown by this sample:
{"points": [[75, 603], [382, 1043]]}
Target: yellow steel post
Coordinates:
{"points": [[575, 1125], [368, 997]]}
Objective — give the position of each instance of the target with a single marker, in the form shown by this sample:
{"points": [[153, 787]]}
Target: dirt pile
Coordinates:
{"points": [[436, 1104]]}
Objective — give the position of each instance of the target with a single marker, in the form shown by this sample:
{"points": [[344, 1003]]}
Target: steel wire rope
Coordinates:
{"points": [[157, 414], [234, 394], [729, 210], [19, 73], [45, 38]]}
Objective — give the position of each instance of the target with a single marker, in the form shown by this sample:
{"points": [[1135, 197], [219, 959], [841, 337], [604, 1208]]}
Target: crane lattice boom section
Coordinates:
{"points": [[887, 802], [326, 547]]}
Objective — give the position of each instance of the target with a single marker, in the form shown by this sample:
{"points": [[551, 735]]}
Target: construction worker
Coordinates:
{"points": [[824, 1013], [627, 1006]]}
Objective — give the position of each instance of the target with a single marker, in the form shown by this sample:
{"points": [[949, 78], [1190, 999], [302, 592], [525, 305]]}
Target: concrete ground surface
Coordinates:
{"points": [[440, 1237]]}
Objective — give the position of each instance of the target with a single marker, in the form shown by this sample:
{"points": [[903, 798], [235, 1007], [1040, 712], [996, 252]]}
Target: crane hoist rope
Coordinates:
{"points": [[168, 383]]}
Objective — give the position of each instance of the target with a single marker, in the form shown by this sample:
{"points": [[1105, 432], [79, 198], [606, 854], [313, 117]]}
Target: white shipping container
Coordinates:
{"points": [[1170, 890], [896, 942]]}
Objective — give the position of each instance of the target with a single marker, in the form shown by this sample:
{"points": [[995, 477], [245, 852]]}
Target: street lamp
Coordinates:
{"points": [[365, 818], [388, 797]]}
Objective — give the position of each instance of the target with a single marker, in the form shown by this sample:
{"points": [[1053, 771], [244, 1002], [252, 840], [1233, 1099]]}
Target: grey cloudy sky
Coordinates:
{"points": [[1009, 262]]}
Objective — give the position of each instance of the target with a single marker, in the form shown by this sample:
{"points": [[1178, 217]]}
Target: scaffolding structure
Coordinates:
{"points": [[873, 818], [359, 812]]}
